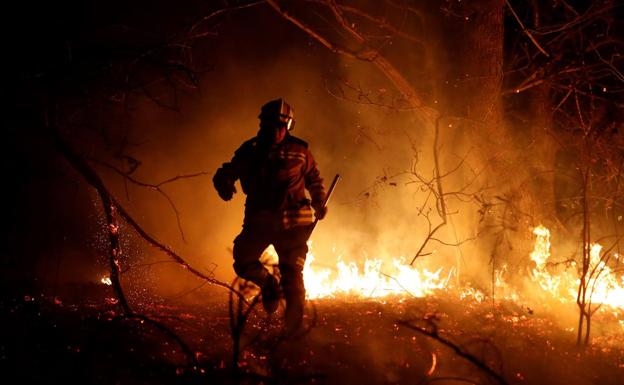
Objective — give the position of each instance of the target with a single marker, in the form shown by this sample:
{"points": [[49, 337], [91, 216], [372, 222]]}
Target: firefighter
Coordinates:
{"points": [[275, 168]]}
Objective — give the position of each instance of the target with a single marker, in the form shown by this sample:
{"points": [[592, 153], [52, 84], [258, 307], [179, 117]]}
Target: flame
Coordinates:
{"points": [[604, 286], [472, 293], [374, 280], [106, 280], [540, 255], [371, 281]]}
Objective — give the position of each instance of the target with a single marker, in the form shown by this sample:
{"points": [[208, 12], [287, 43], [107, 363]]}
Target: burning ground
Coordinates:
{"points": [[363, 326]]}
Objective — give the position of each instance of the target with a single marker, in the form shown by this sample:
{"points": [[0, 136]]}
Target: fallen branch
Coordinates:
{"points": [[457, 349]]}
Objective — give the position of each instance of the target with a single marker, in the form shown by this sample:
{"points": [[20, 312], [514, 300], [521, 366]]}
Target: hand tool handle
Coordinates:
{"points": [[329, 194]]}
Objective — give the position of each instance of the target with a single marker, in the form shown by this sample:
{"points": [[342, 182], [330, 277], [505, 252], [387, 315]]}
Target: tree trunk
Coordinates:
{"points": [[483, 58], [478, 99]]}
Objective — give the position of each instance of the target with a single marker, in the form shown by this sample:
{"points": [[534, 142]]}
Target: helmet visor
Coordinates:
{"points": [[283, 121], [286, 121]]}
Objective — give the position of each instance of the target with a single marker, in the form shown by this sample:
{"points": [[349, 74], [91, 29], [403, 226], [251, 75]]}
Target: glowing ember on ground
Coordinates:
{"points": [[106, 281]]}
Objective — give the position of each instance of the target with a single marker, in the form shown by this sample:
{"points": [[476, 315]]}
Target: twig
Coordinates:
{"points": [[437, 191]]}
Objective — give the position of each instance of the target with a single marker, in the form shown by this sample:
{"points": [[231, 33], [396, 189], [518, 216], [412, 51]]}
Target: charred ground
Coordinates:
{"points": [[353, 342]]}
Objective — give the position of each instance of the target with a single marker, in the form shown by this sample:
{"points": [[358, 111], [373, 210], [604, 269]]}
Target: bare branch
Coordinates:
{"points": [[379, 22], [366, 54], [156, 187], [526, 31], [192, 34]]}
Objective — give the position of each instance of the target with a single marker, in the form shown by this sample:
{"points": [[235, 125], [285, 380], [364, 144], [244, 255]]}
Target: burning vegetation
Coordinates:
{"points": [[476, 237], [376, 280]]}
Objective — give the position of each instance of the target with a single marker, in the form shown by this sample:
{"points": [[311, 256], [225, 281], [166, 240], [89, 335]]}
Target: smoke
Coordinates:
{"points": [[375, 210], [376, 150]]}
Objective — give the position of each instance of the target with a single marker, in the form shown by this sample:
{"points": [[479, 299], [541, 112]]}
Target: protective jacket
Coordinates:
{"points": [[275, 178]]}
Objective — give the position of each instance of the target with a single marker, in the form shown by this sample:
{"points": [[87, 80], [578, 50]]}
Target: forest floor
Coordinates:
{"points": [[69, 339]]}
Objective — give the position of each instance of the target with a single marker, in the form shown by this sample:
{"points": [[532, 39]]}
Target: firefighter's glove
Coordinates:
{"points": [[224, 185], [320, 212]]}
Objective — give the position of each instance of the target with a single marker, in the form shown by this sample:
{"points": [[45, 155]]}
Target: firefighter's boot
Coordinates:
{"points": [[270, 294]]}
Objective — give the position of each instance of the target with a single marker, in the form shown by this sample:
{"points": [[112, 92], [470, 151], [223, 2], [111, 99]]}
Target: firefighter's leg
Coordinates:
{"points": [[248, 248], [291, 248]]}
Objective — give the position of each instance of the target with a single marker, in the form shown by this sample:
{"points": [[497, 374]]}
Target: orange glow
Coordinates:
{"points": [[434, 362], [372, 280], [604, 286], [377, 278], [540, 255]]}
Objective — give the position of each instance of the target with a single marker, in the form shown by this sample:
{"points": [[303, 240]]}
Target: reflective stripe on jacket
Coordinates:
{"points": [[275, 180]]}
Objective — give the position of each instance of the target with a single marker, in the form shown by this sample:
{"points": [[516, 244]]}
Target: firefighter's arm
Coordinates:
{"points": [[226, 176], [314, 184]]}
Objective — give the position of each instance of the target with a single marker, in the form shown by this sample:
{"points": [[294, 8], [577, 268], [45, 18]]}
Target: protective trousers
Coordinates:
{"points": [[290, 245]]}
